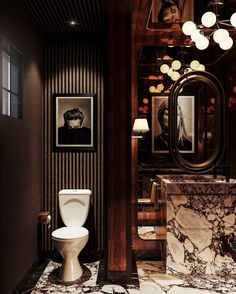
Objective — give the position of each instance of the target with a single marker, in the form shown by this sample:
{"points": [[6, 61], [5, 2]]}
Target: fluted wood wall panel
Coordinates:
{"points": [[73, 66]]}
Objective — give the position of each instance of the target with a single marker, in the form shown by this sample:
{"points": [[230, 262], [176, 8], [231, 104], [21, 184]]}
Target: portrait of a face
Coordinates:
{"points": [[160, 124], [169, 12], [165, 13], [74, 122]]}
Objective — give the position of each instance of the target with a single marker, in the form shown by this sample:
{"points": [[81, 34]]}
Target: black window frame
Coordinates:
{"points": [[16, 97]]}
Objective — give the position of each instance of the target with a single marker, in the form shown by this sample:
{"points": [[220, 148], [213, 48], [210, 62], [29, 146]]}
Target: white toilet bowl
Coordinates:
{"points": [[69, 241]]}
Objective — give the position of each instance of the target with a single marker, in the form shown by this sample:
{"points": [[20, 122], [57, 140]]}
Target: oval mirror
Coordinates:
{"points": [[197, 122]]}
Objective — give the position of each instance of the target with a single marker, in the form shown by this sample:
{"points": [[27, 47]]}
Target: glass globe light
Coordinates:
{"points": [[152, 89], [160, 87], [226, 44], [233, 19], [201, 67], [202, 43], [175, 76], [195, 35], [188, 27], [170, 72], [164, 68], [220, 35], [176, 64], [194, 64], [208, 19]]}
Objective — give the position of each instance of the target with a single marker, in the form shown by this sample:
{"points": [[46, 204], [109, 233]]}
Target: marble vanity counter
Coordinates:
{"points": [[197, 184], [201, 224]]}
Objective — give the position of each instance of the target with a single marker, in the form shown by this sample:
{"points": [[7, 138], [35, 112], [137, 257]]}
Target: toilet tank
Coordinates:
{"points": [[74, 206]]}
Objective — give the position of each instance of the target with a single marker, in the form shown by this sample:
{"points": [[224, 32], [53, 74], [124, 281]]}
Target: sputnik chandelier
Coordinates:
{"points": [[176, 69], [198, 33]]}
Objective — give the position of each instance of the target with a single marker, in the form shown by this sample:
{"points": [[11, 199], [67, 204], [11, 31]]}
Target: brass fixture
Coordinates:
{"points": [[44, 218]]}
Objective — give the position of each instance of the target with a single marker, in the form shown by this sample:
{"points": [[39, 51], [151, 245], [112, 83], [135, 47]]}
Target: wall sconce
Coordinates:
{"points": [[140, 127]]}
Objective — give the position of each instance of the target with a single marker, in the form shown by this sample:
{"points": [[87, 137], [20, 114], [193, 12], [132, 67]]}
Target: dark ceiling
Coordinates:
{"points": [[53, 16]]}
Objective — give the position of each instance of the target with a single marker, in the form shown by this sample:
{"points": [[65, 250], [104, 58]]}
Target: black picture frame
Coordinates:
{"points": [[187, 105], [66, 135], [167, 14]]}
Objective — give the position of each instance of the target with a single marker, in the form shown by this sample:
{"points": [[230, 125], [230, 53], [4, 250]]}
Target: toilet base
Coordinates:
{"points": [[69, 241], [70, 270]]}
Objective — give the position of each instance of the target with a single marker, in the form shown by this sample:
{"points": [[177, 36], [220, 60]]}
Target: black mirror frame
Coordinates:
{"points": [[218, 152]]}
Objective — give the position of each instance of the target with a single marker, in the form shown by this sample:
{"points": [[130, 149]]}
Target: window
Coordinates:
{"points": [[11, 81]]}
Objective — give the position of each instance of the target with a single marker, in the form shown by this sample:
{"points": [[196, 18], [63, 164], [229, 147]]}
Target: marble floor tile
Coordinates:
{"points": [[152, 280]]}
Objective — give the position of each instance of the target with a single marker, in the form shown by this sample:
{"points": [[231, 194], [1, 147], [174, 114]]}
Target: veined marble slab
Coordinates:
{"points": [[195, 184], [152, 280], [201, 224]]}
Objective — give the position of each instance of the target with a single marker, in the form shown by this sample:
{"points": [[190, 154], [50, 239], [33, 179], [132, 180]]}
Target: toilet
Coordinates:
{"points": [[71, 239]]}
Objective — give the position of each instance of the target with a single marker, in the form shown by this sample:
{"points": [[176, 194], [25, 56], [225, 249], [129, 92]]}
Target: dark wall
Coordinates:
{"points": [[21, 154], [118, 152], [74, 66]]}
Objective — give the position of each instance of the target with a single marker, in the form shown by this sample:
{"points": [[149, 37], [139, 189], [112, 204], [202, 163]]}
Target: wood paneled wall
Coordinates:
{"points": [[21, 158], [73, 66], [118, 151]]}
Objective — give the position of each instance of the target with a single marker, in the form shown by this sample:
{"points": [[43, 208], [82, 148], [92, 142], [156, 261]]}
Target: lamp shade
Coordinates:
{"points": [[140, 125]]}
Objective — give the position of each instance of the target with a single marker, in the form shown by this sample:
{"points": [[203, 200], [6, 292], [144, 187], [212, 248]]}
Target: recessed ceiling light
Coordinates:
{"points": [[73, 22]]}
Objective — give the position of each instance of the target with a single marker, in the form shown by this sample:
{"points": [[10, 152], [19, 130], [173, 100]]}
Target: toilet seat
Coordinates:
{"points": [[70, 233]]}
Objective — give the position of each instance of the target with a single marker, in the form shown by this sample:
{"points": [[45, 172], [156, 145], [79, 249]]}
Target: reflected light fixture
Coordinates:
{"points": [[176, 69], [140, 127], [198, 33]]}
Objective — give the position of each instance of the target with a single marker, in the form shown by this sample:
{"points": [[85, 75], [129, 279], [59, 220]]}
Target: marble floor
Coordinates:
{"points": [[152, 280]]}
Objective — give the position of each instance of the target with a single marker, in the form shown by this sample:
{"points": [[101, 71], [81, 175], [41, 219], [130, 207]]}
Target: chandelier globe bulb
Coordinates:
{"points": [[202, 43], [164, 68], [176, 64], [194, 64], [201, 67], [233, 19], [220, 35], [188, 27], [226, 44], [196, 35], [208, 19]]}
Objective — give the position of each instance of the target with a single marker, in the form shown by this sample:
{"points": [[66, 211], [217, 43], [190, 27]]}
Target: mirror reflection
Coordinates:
{"points": [[197, 125], [205, 118], [151, 209]]}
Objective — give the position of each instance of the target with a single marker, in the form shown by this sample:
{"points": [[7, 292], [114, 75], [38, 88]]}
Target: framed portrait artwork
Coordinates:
{"points": [[186, 124], [165, 13], [74, 121]]}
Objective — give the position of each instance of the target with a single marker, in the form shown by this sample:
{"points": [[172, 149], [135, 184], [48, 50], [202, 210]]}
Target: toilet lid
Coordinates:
{"points": [[70, 233]]}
